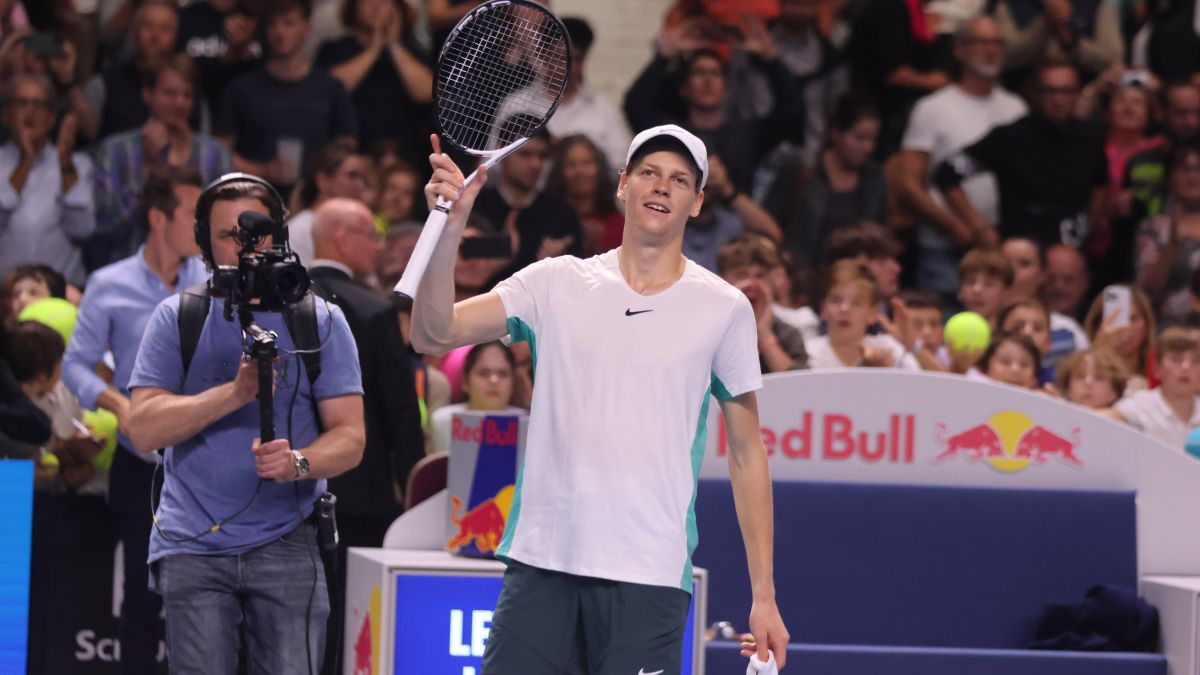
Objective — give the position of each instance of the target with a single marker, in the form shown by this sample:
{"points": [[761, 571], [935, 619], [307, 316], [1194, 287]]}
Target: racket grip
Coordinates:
{"points": [[422, 252]]}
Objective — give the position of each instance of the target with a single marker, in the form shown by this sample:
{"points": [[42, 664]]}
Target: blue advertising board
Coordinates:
{"points": [[16, 512], [442, 623]]}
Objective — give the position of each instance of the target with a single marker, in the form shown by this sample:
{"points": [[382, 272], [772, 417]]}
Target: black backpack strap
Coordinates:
{"points": [[301, 320], [193, 312]]}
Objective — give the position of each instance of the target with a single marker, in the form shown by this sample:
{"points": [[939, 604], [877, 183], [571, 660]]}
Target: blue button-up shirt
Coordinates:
{"points": [[116, 307], [41, 224]]}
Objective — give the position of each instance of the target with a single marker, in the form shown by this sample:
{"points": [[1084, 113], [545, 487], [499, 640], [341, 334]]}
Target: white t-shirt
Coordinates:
{"points": [[596, 116], [618, 420], [821, 354], [803, 319], [441, 420], [947, 121], [1149, 412]]}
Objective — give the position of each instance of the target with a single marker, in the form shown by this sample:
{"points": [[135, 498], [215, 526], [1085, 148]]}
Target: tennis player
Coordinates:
{"points": [[628, 347]]}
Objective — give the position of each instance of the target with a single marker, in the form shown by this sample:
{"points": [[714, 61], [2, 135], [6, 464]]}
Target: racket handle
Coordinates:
{"points": [[423, 252]]}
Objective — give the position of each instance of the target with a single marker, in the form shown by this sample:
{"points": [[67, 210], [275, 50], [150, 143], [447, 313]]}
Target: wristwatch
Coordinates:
{"points": [[301, 464]]}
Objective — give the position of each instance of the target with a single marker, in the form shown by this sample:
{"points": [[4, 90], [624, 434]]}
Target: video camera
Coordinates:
{"points": [[265, 281]]}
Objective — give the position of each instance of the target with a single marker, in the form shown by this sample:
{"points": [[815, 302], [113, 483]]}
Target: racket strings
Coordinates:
{"points": [[499, 78]]}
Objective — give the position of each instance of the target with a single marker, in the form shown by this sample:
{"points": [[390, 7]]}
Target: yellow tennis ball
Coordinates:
{"points": [[104, 425], [967, 331], [53, 312], [50, 463]]}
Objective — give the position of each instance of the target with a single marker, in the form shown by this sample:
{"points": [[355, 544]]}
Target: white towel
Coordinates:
{"points": [[757, 667]]}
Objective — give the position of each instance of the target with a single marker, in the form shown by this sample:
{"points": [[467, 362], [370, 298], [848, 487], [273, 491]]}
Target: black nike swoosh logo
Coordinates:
{"points": [[629, 312]]}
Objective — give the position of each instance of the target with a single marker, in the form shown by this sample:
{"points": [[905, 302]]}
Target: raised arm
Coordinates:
{"points": [[752, 498], [438, 324]]}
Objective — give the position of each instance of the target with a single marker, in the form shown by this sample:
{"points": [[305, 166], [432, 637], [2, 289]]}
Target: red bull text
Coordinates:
{"points": [[834, 437]]}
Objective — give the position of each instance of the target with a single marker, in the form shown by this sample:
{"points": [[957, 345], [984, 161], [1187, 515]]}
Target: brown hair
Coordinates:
{"points": [[33, 348], [1030, 303], [986, 261], [1020, 340], [1177, 340], [1095, 316], [180, 63], [54, 280], [748, 249], [918, 299], [158, 190], [863, 238], [1109, 366], [604, 189], [850, 271]]}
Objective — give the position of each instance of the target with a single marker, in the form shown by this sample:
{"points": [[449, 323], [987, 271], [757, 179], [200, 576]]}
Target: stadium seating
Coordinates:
{"points": [[903, 579]]}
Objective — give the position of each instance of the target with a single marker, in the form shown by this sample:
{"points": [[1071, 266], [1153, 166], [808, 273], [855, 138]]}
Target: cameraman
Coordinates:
{"points": [[232, 541]]}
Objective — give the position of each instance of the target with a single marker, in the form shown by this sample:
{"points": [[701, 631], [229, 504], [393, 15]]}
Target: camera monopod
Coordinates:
{"points": [[261, 347]]}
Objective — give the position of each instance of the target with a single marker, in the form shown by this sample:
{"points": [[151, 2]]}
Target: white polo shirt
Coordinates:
{"points": [[617, 426], [1149, 412]]}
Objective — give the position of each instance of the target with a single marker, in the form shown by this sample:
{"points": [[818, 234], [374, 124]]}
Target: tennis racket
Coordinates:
{"points": [[501, 75]]}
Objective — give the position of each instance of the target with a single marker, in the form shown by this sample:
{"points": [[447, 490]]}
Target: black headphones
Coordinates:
{"points": [[204, 206]]}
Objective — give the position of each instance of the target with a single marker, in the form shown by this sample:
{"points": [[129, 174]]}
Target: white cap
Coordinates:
{"points": [[695, 146]]}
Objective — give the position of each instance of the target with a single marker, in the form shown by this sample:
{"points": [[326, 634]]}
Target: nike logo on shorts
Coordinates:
{"points": [[643, 672], [630, 312]]}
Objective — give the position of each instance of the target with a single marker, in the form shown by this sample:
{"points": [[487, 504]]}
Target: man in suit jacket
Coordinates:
{"points": [[344, 244]]}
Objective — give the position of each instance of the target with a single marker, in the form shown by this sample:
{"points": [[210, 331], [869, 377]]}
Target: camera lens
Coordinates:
{"points": [[289, 281]]}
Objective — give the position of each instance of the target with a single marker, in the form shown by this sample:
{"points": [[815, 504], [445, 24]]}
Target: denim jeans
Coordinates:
{"points": [[208, 597]]}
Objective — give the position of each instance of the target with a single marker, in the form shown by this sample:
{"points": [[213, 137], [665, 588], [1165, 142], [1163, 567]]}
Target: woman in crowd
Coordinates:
{"points": [[1134, 343], [487, 379], [335, 171], [1168, 249], [381, 66], [845, 187], [1093, 379], [400, 189], [580, 174]]}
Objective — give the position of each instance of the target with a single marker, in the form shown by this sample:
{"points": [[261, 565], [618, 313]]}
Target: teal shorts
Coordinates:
{"points": [[552, 623]]}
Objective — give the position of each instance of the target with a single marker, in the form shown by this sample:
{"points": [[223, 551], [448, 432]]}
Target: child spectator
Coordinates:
{"points": [[873, 245], [1028, 259], [1093, 379], [26, 284], [746, 262], [35, 353], [1013, 359], [917, 324], [1134, 343], [984, 278], [1168, 412], [487, 379], [849, 307], [1029, 317]]}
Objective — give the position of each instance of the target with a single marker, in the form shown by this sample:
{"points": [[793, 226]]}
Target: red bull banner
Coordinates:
{"points": [[890, 426], [484, 457]]}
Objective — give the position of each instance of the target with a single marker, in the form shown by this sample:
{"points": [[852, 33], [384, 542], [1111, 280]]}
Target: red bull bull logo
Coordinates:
{"points": [[366, 656], [483, 524], [1009, 442]]}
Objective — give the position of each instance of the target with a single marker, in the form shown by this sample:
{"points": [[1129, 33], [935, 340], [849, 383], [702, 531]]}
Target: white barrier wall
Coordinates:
{"points": [[887, 426]]}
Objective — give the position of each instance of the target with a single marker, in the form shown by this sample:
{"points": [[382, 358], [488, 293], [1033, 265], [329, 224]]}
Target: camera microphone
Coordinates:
{"points": [[256, 224]]}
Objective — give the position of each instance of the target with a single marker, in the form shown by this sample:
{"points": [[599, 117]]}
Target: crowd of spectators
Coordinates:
{"points": [[876, 166]]}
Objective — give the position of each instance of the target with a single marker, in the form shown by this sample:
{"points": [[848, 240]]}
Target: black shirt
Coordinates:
{"points": [[202, 37], [382, 105], [547, 216], [258, 109], [1046, 173]]}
